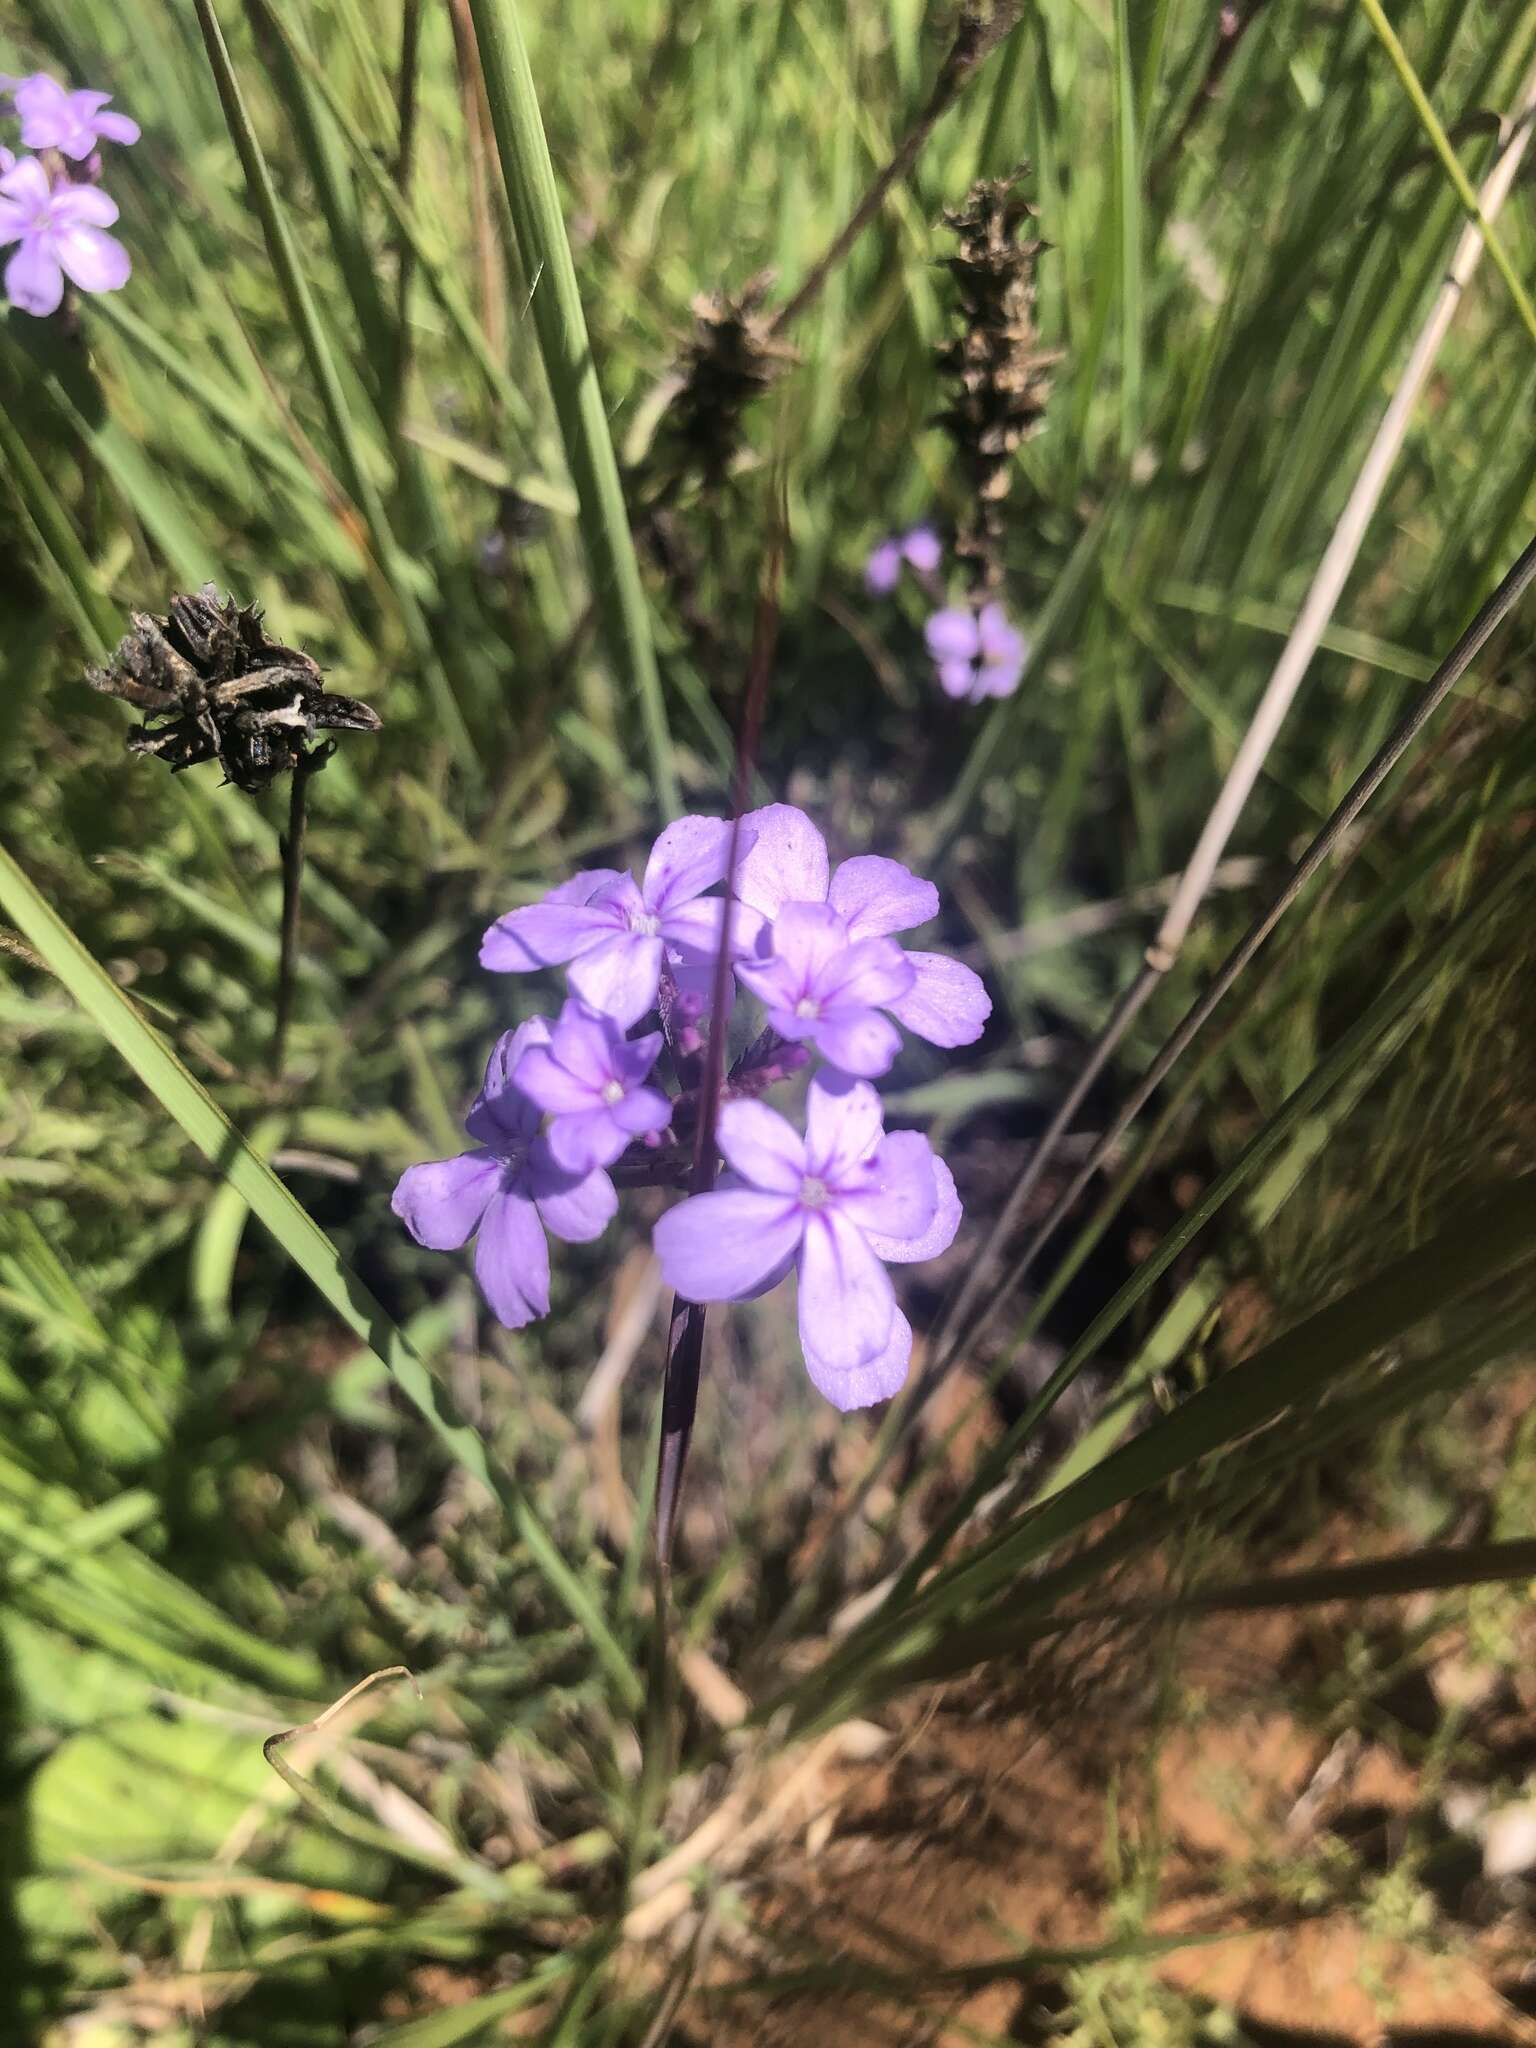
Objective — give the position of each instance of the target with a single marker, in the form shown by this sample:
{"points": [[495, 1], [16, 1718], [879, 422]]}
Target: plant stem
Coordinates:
{"points": [[293, 875], [405, 260], [974, 42], [685, 1339]]}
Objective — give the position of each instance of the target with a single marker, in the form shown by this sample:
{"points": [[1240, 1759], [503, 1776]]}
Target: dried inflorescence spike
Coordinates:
{"points": [[214, 686], [731, 358], [1002, 376]]}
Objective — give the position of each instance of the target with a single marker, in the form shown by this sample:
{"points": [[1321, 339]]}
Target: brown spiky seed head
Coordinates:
{"points": [[213, 685], [731, 358], [1000, 375]]}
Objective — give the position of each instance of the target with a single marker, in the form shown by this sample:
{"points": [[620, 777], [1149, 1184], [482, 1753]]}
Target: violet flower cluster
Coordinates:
{"points": [[976, 651], [834, 1204], [52, 207]]}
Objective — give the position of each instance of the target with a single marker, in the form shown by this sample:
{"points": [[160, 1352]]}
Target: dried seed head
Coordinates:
{"points": [[731, 358], [1001, 376], [213, 686]]}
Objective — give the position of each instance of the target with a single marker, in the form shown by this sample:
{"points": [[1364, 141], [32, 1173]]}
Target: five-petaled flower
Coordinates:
{"points": [[617, 937], [60, 232], [822, 974], [590, 1078], [73, 123], [920, 547], [831, 1206], [820, 984], [978, 654], [510, 1189]]}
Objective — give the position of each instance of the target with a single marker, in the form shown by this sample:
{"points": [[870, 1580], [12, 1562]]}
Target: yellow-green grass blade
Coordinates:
{"points": [[299, 1236], [566, 348], [282, 250]]}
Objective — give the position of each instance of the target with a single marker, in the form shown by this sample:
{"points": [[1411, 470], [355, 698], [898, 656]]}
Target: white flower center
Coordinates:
{"points": [[807, 1007], [645, 923], [813, 1192], [613, 1091]]}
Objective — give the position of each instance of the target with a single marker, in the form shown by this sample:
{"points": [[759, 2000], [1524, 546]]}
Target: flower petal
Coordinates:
{"points": [[869, 974], [441, 1202], [560, 925], [545, 1080], [882, 572], [958, 679], [722, 1246], [688, 858], [786, 863], [897, 1194], [585, 1044], [856, 1041], [501, 1114], [952, 635], [762, 1146], [619, 977], [34, 283], [875, 896], [998, 639], [575, 1207], [693, 929], [940, 1234], [774, 982], [92, 259], [846, 1301], [923, 549], [84, 203], [115, 127], [947, 1004], [588, 1139], [641, 1112], [512, 1260], [844, 1121], [877, 1379], [27, 184], [633, 1058]]}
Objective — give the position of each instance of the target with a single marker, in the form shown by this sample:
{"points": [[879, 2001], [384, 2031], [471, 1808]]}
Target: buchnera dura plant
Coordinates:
{"points": [[52, 206], [573, 1107]]}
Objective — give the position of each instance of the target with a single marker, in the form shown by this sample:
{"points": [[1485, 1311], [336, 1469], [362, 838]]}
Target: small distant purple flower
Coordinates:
{"points": [[830, 1206], [589, 1077], [615, 936], [59, 233], [787, 864], [71, 122], [823, 985], [510, 1189], [921, 547], [978, 654]]}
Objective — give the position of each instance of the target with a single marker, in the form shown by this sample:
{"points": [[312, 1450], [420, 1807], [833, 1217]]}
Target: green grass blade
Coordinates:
{"points": [[1440, 143], [296, 1232], [1479, 1248], [289, 272], [566, 347]]}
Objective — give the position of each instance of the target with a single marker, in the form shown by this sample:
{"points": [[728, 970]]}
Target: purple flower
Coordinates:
{"points": [[978, 653], [921, 547], [59, 233], [511, 1189], [71, 122], [787, 863], [588, 1076], [831, 1205], [616, 936], [821, 984]]}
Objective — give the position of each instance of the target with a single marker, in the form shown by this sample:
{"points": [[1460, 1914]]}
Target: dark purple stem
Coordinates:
{"points": [[685, 1338]]}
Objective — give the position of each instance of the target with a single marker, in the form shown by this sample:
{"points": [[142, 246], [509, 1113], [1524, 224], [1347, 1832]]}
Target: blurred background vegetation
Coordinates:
{"points": [[325, 390]]}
